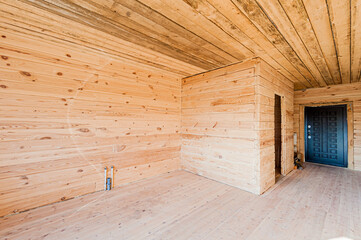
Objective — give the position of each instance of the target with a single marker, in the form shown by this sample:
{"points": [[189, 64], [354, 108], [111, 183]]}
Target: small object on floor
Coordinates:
{"points": [[297, 162]]}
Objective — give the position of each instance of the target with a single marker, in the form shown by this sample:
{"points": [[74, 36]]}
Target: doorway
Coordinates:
{"points": [[278, 135], [326, 135]]}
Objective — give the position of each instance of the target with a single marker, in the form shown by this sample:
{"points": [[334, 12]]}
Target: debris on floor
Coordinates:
{"points": [[297, 161]]}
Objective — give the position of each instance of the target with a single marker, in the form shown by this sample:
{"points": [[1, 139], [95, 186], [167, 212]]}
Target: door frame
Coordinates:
{"points": [[283, 134], [350, 127]]}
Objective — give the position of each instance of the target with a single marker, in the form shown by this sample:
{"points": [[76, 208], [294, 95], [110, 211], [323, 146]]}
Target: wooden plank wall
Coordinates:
{"points": [[268, 83], [76, 100], [345, 93], [219, 137], [228, 124]]}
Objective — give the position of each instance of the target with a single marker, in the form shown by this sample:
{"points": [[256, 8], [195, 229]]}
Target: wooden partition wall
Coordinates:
{"points": [[228, 124], [349, 94], [268, 83], [74, 100]]}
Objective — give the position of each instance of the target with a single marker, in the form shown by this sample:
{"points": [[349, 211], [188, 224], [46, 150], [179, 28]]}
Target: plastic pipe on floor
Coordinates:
{"points": [[105, 178], [112, 175]]}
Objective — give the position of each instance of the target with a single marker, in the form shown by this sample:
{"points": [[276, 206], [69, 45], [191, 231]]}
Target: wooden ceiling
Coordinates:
{"points": [[314, 43]]}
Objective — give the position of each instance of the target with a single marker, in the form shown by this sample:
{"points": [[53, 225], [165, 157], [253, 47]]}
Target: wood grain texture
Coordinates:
{"points": [[299, 18], [268, 83], [318, 17], [355, 41], [340, 20], [227, 124], [39, 22], [347, 94], [312, 43], [279, 27], [87, 84], [71, 107], [181, 205], [219, 136]]}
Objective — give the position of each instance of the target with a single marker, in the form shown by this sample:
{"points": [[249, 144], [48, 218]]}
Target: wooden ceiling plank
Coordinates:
{"points": [[299, 86], [190, 24], [266, 26], [96, 21], [319, 19], [355, 40], [265, 49], [108, 57], [185, 14], [223, 23], [55, 27], [279, 18], [145, 25], [297, 14], [175, 27], [209, 11], [177, 67], [147, 21], [313, 43], [79, 60], [339, 13]]}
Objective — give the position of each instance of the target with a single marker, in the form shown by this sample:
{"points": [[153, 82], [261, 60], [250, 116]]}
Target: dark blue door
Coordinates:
{"points": [[326, 135]]}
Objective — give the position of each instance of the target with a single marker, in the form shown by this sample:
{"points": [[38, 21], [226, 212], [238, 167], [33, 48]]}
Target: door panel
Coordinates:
{"points": [[326, 135]]}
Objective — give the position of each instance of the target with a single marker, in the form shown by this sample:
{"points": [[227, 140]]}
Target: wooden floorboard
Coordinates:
{"points": [[319, 202]]}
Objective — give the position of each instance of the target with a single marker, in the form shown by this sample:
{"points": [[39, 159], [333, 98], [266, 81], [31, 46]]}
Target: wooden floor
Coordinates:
{"points": [[319, 202]]}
